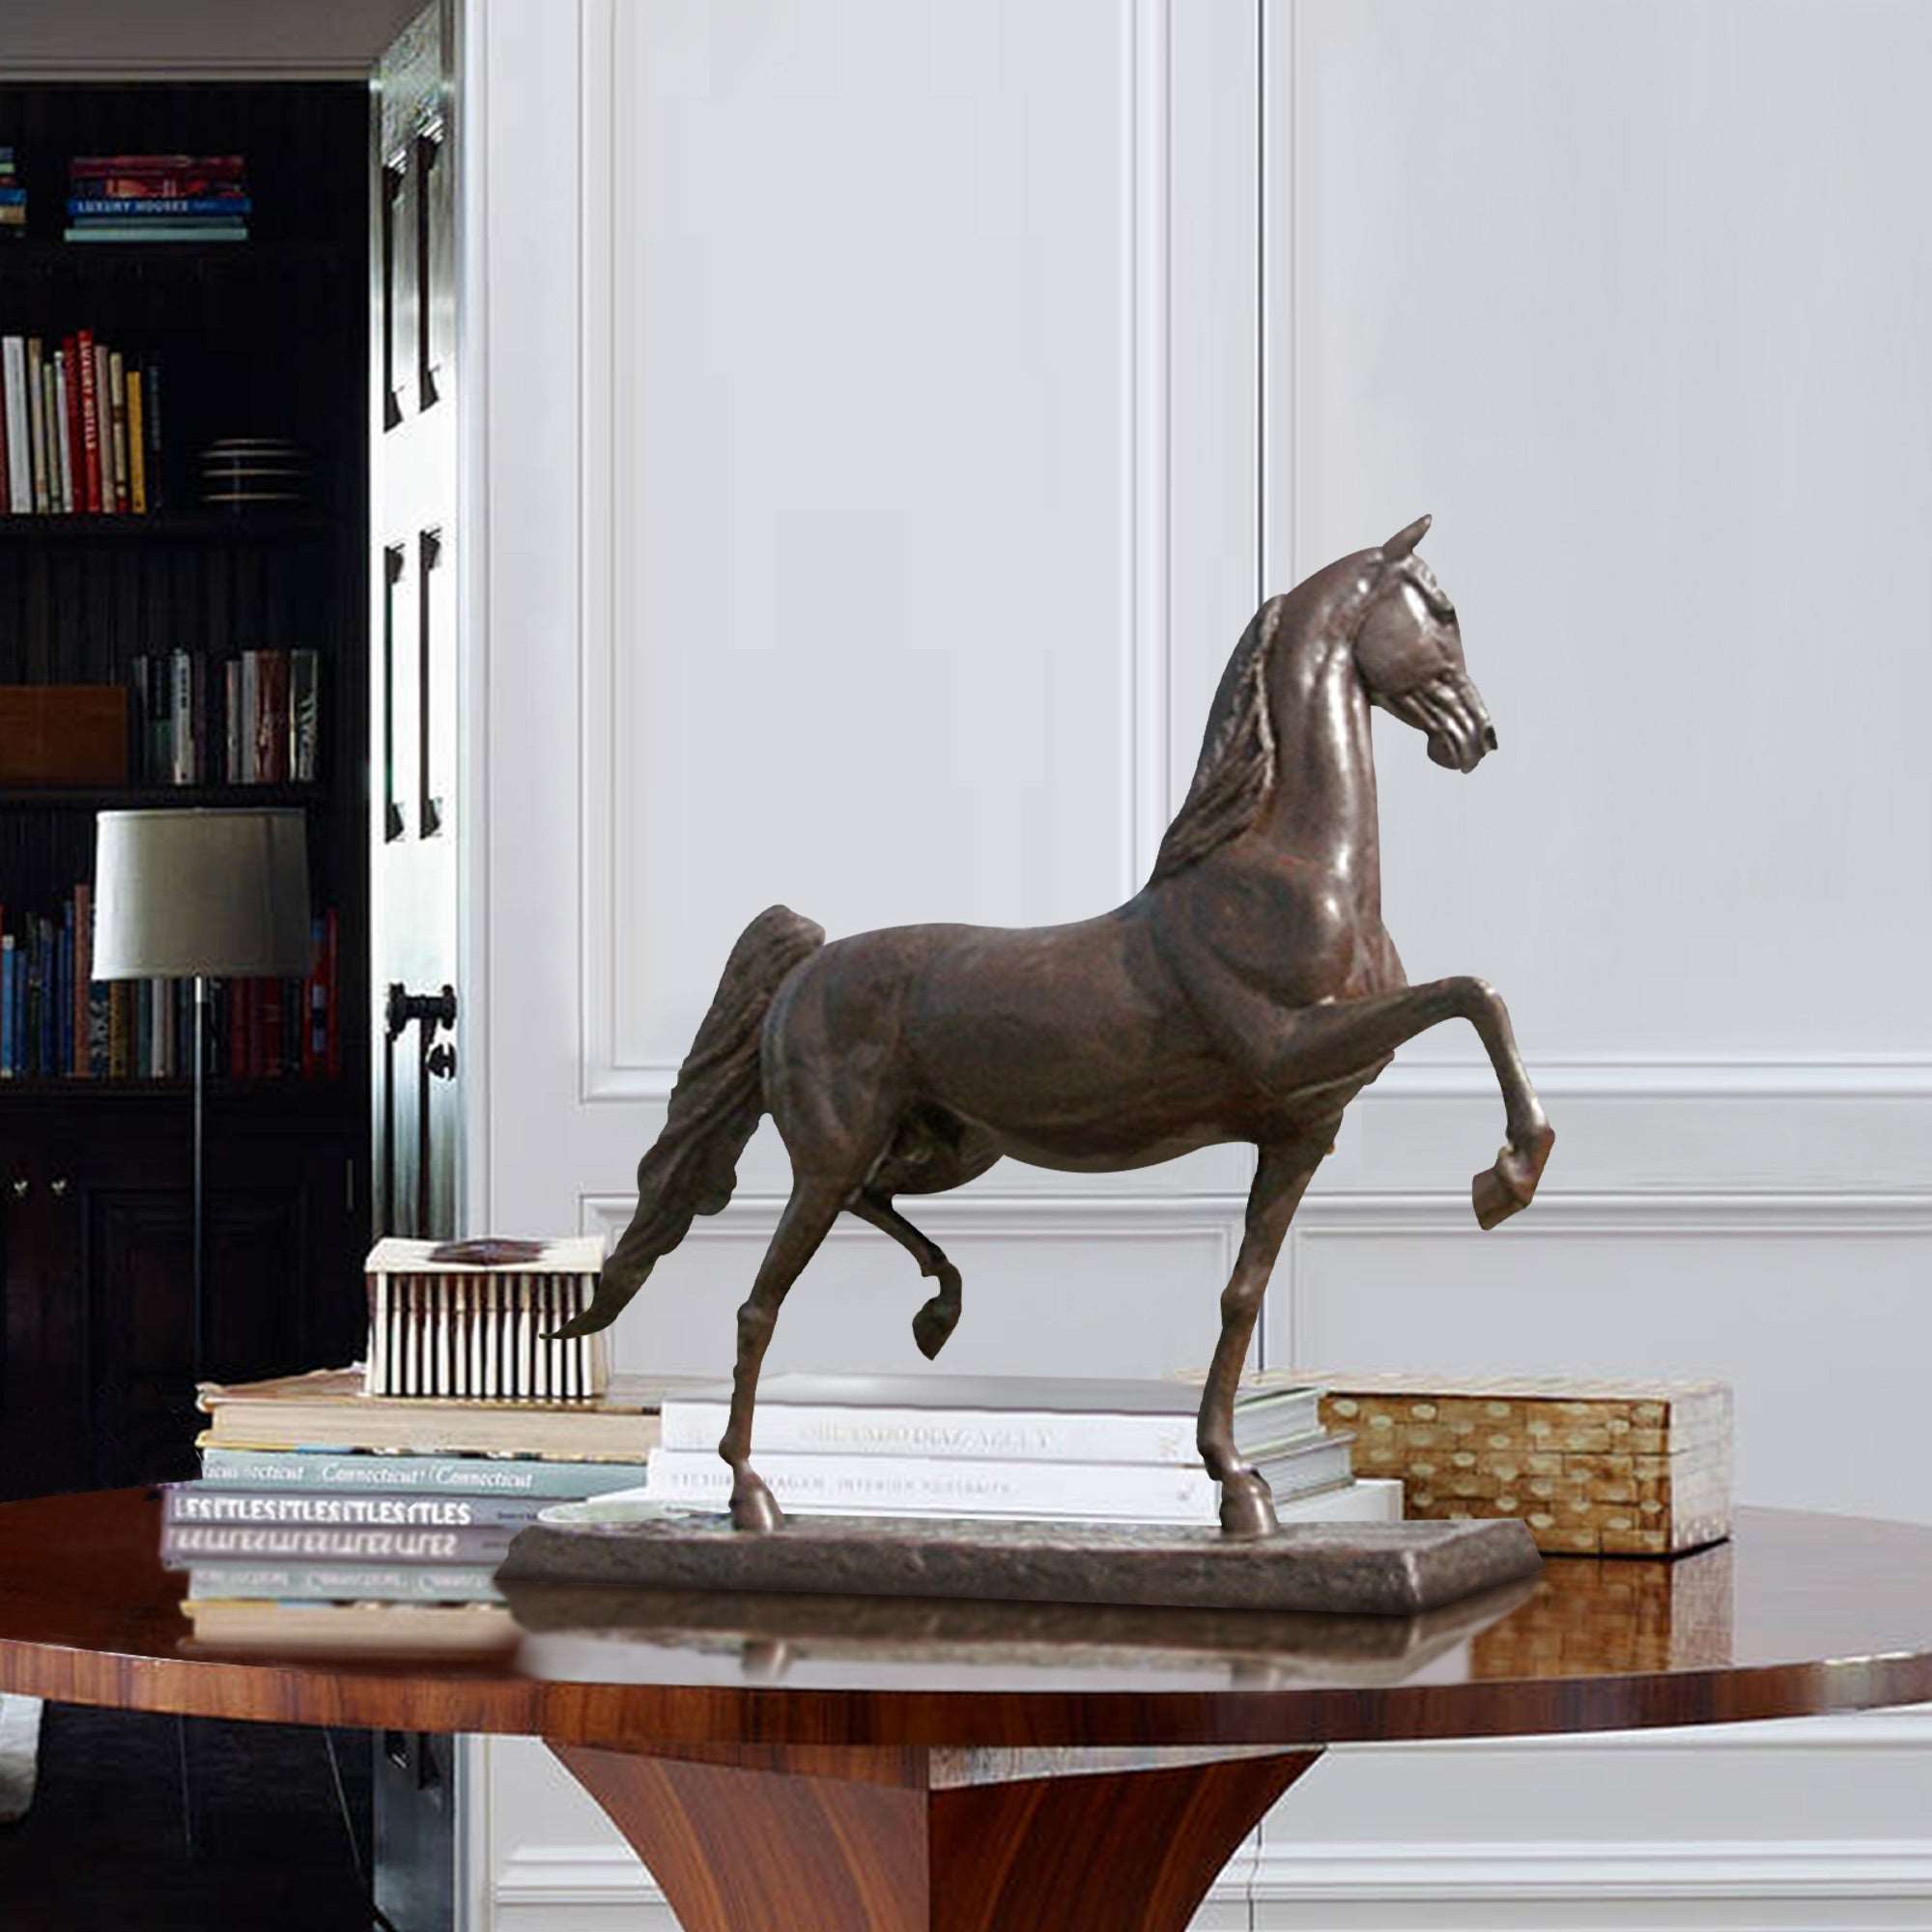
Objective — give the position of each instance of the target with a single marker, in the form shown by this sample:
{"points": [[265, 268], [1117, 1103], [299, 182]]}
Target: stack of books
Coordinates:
{"points": [[158, 198], [1006, 1447], [57, 1022], [13, 196], [81, 428], [325, 1517], [255, 718]]}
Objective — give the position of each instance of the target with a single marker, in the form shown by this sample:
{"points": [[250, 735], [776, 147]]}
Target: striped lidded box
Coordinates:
{"points": [[470, 1320]]}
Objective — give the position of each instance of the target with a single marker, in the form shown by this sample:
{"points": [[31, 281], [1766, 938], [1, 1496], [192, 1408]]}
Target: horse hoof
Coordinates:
{"points": [[932, 1326], [753, 1506], [1510, 1186], [1247, 1507]]}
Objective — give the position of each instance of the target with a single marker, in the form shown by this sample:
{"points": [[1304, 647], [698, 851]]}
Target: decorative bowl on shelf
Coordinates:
{"points": [[240, 472]]}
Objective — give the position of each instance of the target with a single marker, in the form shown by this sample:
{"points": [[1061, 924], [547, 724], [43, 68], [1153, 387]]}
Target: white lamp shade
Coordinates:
{"points": [[178, 892]]}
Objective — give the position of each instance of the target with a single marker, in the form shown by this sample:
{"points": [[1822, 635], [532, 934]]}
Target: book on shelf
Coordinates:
{"points": [[75, 438], [42, 465], [253, 718], [156, 231], [13, 196], [59, 1023], [158, 198], [158, 207], [21, 441], [159, 174]]}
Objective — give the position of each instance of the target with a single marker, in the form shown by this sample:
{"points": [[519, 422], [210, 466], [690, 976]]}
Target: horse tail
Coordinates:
{"points": [[692, 1166]]}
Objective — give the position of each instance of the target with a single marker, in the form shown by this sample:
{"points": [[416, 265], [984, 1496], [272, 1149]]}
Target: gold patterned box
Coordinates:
{"points": [[1612, 1469]]}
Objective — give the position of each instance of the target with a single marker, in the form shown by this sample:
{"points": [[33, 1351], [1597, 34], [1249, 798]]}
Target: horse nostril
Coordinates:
{"points": [[1489, 736]]}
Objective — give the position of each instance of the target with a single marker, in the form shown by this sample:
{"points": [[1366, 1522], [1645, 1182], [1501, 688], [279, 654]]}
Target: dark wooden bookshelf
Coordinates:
{"points": [[128, 798], [211, 526], [262, 337], [48, 252]]}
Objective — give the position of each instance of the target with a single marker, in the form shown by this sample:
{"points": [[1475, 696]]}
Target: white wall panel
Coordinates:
{"points": [[1631, 298], [895, 412]]}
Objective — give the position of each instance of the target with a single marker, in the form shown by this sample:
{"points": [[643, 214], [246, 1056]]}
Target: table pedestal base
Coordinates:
{"points": [[837, 1838]]}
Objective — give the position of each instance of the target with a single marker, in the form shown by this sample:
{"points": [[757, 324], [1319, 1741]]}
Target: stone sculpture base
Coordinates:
{"points": [[1376, 1569]]}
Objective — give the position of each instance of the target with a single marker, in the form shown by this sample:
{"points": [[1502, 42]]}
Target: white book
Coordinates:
{"points": [[40, 422], [960, 1486], [1367, 1499], [60, 452], [1069, 1419], [181, 712], [19, 444]]}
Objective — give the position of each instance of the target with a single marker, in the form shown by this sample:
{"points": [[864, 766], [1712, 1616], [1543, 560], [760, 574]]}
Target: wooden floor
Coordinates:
{"points": [[103, 1846]]}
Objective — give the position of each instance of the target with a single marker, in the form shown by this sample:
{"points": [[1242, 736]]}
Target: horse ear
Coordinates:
{"points": [[1405, 541]]}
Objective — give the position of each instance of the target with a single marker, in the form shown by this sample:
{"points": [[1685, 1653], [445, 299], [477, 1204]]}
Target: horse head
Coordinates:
{"points": [[1408, 654]]}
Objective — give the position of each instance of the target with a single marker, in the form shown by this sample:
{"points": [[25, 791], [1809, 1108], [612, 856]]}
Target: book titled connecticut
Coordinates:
{"points": [[330, 1509]]}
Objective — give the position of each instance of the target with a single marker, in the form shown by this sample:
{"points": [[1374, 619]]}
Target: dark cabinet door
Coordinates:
{"points": [[98, 1271], [43, 1411]]}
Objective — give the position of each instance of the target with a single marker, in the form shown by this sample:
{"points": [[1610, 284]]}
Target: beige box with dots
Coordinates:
{"points": [[1594, 1468]]}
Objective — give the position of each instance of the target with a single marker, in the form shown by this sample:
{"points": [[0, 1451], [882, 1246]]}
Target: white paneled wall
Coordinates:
{"points": [[888, 413]]}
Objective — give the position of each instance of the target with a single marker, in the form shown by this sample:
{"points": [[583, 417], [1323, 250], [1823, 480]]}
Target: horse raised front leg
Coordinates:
{"points": [[1247, 1509], [1329, 1042], [808, 1215]]}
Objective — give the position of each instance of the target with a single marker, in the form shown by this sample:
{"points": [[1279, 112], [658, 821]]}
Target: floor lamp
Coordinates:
{"points": [[197, 894]]}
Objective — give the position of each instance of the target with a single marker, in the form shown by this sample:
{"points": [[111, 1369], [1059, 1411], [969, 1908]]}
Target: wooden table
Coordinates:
{"points": [[857, 1766]]}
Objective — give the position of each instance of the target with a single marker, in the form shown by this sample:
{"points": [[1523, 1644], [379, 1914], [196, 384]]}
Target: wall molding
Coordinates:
{"points": [[1756, 1076], [1034, 1218], [1145, 510], [1626, 1213], [1580, 1870]]}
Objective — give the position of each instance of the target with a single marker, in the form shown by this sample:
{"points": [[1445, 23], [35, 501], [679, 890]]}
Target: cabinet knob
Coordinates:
{"points": [[20, 1186], [57, 1188]]}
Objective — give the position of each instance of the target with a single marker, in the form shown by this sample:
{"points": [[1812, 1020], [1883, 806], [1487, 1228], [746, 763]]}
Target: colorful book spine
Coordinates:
{"points": [[73, 459], [90, 423], [19, 447], [158, 207], [117, 410], [59, 470], [138, 463], [40, 476]]}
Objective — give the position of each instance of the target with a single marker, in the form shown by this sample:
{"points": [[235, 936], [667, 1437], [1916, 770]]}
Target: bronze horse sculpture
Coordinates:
{"points": [[1246, 993]]}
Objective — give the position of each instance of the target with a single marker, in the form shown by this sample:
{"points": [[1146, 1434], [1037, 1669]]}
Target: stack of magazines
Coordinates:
{"points": [[158, 198], [1008, 1447]]}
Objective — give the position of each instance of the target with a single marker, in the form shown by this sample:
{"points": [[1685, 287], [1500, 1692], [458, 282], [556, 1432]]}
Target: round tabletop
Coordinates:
{"points": [[1798, 1614]]}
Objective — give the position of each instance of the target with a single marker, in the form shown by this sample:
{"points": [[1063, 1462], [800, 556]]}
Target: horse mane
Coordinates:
{"points": [[1237, 756]]}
